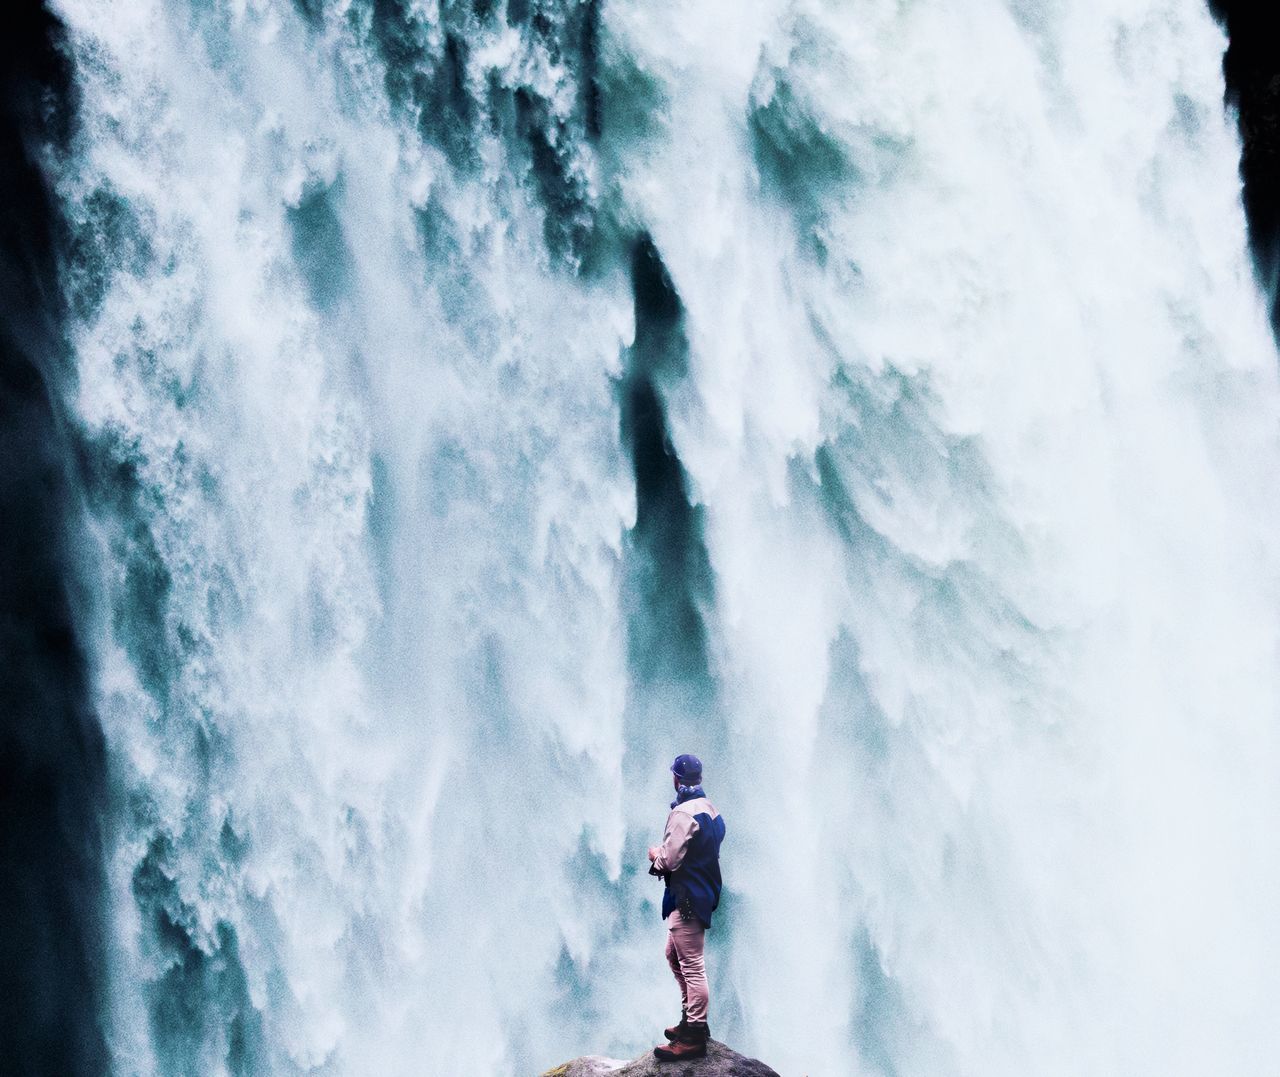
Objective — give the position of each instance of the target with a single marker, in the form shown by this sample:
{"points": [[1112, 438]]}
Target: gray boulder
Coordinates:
{"points": [[720, 1062]]}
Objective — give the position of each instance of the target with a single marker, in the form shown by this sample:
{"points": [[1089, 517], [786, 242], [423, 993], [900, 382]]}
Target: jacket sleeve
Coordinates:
{"points": [[681, 826]]}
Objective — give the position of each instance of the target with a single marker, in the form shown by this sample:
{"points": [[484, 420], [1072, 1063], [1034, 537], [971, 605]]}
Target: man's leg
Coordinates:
{"points": [[673, 959], [687, 939], [684, 953]]}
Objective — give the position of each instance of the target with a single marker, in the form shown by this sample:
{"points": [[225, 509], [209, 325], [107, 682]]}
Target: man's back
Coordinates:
{"points": [[693, 881]]}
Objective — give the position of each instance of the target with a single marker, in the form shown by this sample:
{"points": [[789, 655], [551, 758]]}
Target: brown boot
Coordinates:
{"points": [[676, 1031], [691, 1044]]}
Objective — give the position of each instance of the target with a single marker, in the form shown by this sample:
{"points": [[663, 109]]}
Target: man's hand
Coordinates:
{"points": [[653, 853]]}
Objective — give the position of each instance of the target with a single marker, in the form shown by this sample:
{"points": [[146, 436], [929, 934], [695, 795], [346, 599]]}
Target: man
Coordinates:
{"points": [[688, 861]]}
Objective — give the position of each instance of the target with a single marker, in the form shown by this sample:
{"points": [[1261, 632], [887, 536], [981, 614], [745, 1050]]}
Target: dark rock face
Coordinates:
{"points": [[52, 760], [720, 1062], [1252, 70]]}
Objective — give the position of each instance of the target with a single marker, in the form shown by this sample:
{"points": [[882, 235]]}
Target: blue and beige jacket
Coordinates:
{"points": [[689, 857]]}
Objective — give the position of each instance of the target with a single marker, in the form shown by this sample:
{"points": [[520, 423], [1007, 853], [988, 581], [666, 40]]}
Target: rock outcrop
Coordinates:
{"points": [[720, 1062]]}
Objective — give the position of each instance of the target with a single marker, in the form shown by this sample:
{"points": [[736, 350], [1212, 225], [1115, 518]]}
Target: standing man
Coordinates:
{"points": [[688, 861]]}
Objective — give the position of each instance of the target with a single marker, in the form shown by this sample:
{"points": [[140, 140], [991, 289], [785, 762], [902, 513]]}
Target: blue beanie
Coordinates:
{"points": [[688, 768]]}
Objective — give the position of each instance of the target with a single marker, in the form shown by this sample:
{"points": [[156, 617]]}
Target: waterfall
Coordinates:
{"points": [[481, 403]]}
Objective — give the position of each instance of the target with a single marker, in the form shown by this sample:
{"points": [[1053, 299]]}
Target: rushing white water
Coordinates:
{"points": [[966, 585]]}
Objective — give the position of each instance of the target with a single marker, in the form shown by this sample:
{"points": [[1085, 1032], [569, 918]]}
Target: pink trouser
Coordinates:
{"points": [[684, 955]]}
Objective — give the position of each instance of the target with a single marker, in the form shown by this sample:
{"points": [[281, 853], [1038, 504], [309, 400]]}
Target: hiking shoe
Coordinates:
{"points": [[691, 1044], [676, 1031]]}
